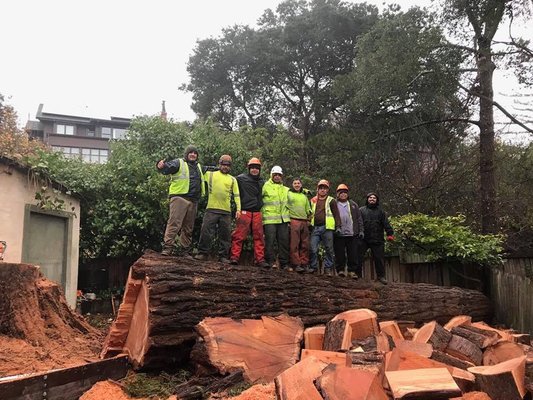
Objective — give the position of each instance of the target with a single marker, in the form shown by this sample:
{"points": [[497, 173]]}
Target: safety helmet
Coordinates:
{"points": [[254, 161], [323, 182], [342, 186], [276, 169], [225, 159]]}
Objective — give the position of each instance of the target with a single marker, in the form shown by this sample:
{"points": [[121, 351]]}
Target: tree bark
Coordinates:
{"points": [[174, 294]]}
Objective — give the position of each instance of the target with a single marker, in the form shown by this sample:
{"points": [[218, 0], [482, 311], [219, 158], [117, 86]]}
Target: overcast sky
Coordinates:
{"points": [[115, 57]]}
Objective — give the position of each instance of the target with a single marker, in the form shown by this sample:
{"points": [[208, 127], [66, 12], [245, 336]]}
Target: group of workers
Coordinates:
{"points": [[287, 227]]}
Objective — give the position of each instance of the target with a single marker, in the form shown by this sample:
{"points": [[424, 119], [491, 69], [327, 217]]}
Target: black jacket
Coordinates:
{"points": [[250, 190], [376, 222]]}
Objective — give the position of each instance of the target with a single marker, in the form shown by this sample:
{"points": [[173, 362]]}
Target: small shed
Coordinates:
{"points": [[40, 223]]}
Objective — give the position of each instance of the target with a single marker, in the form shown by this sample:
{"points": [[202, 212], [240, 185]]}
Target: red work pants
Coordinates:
{"points": [[248, 220], [299, 242]]}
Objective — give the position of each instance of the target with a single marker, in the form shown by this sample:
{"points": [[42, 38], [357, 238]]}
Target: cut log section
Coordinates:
{"points": [[465, 350], [399, 360], [429, 383], [392, 329], [504, 381], [363, 322], [178, 293], [297, 382], [342, 383], [337, 336], [261, 348], [433, 334], [480, 337], [505, 335], [329, 357], [458, 320], [422, 349], [451, 360], [314, 337], [384, 342], [501, 352]]}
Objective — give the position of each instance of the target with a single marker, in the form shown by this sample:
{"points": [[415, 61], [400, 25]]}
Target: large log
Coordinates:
{"points": [[168, 296]]}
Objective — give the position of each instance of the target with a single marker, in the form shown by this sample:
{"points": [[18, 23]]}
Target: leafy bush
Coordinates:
{"points": [[445, 239]]}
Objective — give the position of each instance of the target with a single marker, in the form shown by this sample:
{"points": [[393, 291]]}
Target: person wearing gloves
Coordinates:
{"points": [[325, 221], [276, 219], [351, 230], [250, 189], [186, 188], [300, 214], [222, 187], [375, 222]]}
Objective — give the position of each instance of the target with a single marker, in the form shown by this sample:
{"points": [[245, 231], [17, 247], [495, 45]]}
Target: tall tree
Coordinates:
{"points": [[484, 18], [281, 72]]}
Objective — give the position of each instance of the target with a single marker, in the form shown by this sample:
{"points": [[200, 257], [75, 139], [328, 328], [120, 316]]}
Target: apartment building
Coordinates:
{"points": [[84, 137]]}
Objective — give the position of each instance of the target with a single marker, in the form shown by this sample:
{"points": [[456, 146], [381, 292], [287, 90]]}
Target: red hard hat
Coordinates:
{"points": [[342, 186]]}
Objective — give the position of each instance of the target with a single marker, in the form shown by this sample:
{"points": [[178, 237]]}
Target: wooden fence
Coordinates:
{"points": [[511, 292]]}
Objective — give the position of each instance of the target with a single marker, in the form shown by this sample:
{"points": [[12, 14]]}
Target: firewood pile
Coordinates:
{"points": [[353, 356]]}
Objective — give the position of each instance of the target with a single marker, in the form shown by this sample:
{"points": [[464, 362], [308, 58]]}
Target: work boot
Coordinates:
{"points": [[224, 260], [328, 272], [310, 270], [167, 251], [263, 264], [287, 268], [233, 261], [200, 257], [275, 266], [299, 269], [187, 253], [342, 274], [383, 280]]}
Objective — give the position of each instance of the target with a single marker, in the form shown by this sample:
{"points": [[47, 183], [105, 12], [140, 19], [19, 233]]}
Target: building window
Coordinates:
{"points": [[120, 133], [89, 155], [64, 129], [106, 132]]}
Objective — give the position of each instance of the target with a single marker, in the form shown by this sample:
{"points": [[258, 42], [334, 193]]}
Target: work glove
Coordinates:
{"points": [[390, 238], [361, 235]]}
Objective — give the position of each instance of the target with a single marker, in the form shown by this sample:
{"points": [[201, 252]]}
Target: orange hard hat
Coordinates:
{"points": [[254, 161], [342, 186], [323, 182], [225, 159]]}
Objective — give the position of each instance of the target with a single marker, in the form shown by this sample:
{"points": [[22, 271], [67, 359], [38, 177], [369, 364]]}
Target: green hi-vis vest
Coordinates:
{"points": [[275, 209], [299, 206], [330, 219], [221, 188], [179, 182]]}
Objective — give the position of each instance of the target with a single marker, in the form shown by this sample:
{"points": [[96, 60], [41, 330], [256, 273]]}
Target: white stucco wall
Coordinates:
{"points": [[17, 189]]}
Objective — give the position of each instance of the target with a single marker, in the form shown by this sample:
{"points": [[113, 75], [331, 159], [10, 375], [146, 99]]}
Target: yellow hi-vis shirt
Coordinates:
{"points": [[221, 187]]}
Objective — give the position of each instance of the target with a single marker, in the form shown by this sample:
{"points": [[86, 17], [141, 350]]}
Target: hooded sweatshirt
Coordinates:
{"points": [[375, 222]]}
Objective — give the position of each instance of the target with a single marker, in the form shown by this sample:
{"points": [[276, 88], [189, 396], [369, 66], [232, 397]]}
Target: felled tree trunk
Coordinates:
{"points": [[167, 296]]}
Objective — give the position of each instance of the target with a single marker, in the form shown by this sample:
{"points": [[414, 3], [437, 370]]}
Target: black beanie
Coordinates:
{"points": [[189, 149]]}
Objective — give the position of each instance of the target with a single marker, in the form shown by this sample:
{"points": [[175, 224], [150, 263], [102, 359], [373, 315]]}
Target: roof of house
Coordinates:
{"points": [[25, 169]]}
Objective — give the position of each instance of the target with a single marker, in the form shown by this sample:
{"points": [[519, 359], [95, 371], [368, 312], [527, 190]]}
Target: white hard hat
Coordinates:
{"points": [[276, 169]]}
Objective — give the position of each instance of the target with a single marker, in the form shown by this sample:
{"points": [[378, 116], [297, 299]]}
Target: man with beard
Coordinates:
{"points": [[186, 188], [375, 222]]}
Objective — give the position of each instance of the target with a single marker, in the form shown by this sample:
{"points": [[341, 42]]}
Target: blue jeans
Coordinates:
{"points": [[321, 234]]}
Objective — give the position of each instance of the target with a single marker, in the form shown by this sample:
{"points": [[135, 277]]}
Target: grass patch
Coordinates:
{"points": [[238, 389], [161, 385]]}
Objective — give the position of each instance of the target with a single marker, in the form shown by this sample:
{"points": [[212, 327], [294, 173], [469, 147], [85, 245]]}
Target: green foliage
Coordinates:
{"points": [[445, 239], [238, 389], [281, 72], [146, 385]]}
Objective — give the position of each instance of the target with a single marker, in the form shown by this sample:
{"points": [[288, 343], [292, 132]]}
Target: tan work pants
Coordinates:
{"points": [[180, 222]]}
